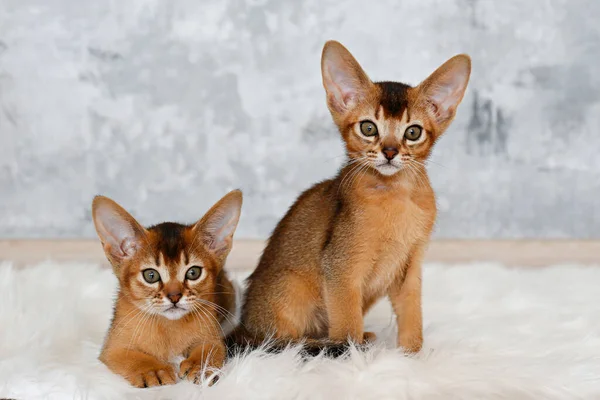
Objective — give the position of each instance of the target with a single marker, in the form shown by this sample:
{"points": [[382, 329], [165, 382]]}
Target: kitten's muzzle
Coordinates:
{"points": [[174, 297], [389, 152]]}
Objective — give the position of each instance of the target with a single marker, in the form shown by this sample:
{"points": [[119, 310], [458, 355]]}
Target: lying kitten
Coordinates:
{"points": [[350, 240], [172, 292]]}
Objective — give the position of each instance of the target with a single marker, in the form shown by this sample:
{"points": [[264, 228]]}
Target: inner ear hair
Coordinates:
{"points": [[217, 226], [120, 234], [344, 80], [443, 90]]}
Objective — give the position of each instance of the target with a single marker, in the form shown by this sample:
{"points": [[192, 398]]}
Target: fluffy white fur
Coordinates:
{"points": [[490, 332]]}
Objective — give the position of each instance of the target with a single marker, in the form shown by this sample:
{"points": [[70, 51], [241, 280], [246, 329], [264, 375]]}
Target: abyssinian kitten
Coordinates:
{"points": [[173, 292], [361, 235]]}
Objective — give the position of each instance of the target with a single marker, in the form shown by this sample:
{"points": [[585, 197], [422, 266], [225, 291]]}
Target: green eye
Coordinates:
{"points": [[151, 275], [193, 273], [368, 128], [413, 132]]}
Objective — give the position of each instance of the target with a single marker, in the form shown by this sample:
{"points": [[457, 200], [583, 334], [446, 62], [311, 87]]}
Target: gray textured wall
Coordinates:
{"points": [[166, 105]]}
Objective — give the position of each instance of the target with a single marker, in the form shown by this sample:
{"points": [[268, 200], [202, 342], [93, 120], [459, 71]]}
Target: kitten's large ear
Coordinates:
{"points": [[121, 235], [218, 224], [444, 89], [344, 80]]}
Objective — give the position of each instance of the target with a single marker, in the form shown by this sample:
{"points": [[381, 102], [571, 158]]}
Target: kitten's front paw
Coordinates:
{"points": [[155, 375], [411, 344], [195, 370], [369, 337]]}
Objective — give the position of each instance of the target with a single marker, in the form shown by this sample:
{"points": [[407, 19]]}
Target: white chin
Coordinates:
{"points": [[174, 313], [387, 169]]}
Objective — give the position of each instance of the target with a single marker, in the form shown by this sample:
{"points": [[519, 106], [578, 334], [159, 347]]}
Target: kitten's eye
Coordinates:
{"points": [[193, 273], [368, 128], [413, 132], [151, 275]]}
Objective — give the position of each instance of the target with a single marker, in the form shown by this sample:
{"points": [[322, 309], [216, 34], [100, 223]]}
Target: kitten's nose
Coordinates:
{"points": [[389, 152], [174, 297]]}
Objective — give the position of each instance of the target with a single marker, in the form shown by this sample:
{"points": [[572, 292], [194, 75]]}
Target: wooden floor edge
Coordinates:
{"points": [[245, 253]]}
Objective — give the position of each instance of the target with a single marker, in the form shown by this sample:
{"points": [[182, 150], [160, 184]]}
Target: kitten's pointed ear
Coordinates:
{"points": [[121, 235], [218, 224], [444, 89], [344, 80]]}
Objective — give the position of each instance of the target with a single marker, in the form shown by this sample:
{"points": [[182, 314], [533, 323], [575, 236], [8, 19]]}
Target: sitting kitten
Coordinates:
{"points": [[350, 240], [172, 289]]}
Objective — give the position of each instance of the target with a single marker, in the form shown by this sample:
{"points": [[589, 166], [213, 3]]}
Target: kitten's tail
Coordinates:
{"points": [[241, 340]]}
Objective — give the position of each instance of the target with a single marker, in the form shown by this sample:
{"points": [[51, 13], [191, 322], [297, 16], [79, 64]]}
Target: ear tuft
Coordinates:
{"points": [[219, 223], [343, 78], [121, 235], [444, 89]]}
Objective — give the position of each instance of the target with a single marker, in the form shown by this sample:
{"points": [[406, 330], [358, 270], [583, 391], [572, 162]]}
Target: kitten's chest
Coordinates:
{"points": [[394, 222], [394, 226], [171, 341]]}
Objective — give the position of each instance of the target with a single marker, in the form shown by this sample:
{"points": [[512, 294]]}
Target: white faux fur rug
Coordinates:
{"points": [[490, 332]]}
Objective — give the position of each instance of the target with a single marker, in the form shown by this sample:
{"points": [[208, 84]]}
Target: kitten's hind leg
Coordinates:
{"points": [[295, 315]]}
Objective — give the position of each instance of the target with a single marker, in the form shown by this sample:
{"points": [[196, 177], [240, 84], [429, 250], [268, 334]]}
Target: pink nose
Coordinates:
{"points": [[174, 297], [389, 152]]}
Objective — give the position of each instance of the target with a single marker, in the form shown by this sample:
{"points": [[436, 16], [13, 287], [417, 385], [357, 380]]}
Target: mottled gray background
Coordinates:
{"points": [[166, 105]]}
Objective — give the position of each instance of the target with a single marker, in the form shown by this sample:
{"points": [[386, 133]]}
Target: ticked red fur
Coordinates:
{"points": [[176, 314], [361, 235]]}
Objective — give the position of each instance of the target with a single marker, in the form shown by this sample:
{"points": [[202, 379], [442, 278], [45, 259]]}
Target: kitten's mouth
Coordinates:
{"points": [[387, 168], [174, 312], [176, 307]]}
